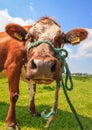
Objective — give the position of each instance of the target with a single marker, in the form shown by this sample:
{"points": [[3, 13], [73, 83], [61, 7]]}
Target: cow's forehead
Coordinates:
{"points": [[45, 27]]}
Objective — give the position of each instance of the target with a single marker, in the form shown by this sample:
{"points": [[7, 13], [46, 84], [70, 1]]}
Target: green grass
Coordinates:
{"points": [[81, 97]]}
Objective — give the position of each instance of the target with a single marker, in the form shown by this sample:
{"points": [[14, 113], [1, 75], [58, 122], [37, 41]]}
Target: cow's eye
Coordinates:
{"points": [[32, 39]]}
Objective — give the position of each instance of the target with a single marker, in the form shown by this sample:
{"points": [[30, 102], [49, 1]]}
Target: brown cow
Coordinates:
{"points": [[41, 64]]}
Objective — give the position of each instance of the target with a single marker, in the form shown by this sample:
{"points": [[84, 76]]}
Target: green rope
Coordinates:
{"points": [[71, 106], [61, 57], [56, 50], [48, 115], [68, 77], [61, 54]]}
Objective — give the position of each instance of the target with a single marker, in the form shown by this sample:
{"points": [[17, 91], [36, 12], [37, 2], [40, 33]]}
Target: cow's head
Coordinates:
{"points": [[42, 65]]}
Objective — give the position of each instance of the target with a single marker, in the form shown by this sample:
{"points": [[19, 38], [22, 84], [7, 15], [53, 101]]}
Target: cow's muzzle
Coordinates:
{"points": [[43, 71]]}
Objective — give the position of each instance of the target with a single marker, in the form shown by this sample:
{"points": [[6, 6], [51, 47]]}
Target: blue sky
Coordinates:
{"points": [[68, 13]]}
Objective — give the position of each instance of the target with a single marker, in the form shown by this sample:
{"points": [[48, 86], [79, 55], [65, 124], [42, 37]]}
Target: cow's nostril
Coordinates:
{"points": [[33, 65], [28, 78], [53, 68]]}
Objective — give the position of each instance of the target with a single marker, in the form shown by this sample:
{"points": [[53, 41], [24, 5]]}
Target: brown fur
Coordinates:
{"points": [[42, 64], [12, 58]]}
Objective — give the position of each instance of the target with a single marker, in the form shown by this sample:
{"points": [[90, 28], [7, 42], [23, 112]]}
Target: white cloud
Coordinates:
{"points": [[5, 18], [69, 50], [84, 49], [31, 7]]}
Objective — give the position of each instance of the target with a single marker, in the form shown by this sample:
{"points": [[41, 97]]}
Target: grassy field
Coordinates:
{"points": [[81, 97]]}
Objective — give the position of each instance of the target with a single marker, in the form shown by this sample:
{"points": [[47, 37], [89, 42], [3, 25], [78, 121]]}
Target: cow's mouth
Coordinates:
{"points": [[43, 81]]}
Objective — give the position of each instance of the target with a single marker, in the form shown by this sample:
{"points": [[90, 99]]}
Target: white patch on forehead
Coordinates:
{"points": [[43, 31], [36, 29], [51, 32]]}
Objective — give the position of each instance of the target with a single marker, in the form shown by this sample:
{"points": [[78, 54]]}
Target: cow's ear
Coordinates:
{"points": [[16, 31], [75, 36]]}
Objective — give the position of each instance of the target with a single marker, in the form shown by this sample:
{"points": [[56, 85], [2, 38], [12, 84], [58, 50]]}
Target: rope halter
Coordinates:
{"points": [[61, 54]]}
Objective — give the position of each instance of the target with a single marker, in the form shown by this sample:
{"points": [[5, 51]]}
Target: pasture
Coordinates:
{"points": [[81, 97]]}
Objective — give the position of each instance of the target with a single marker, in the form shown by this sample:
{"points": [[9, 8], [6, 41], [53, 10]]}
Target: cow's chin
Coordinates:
{"points": [[43, 81]]}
